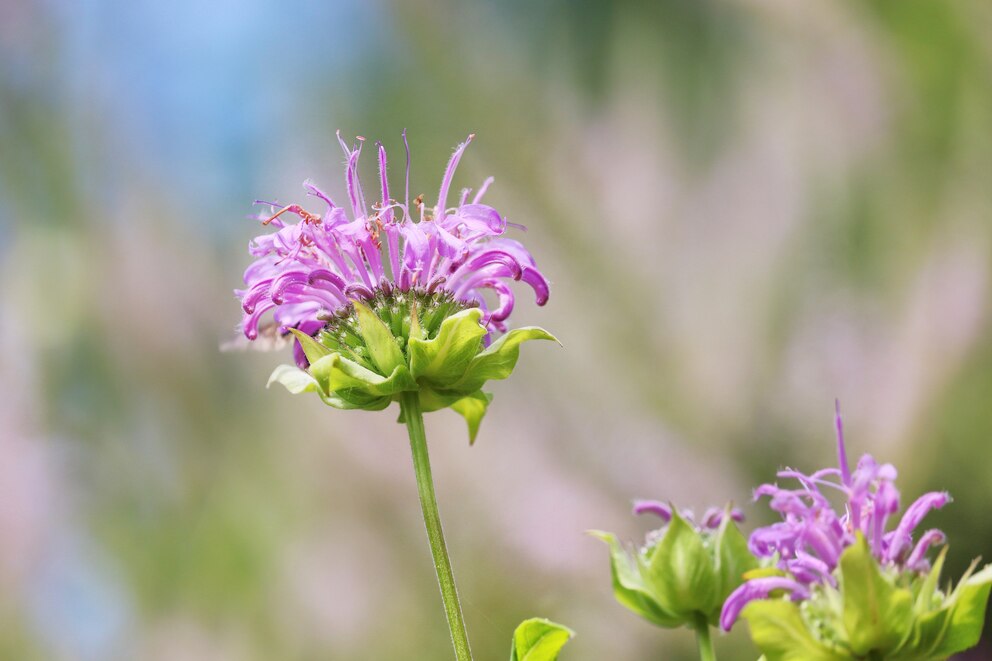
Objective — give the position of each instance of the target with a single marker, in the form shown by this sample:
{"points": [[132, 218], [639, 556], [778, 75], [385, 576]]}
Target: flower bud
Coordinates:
{"points": [[682, 576]]}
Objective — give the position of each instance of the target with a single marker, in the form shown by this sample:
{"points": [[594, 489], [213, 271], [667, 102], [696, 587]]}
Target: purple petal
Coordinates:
{"points": [[914, 516], [758, 588], [917, 559], [656, 507], [449, 174]]}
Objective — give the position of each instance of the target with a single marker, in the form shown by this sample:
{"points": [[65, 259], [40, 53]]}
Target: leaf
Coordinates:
{"points": [[628, 585], [312, 349], [435, 400], [778, 630], [473, 408], [336, 373], [297, 381], [929, 625], [499, 359], [877, 615], [442, 360], [681, 571], [383, 348], [538, 639], [967, 615]]}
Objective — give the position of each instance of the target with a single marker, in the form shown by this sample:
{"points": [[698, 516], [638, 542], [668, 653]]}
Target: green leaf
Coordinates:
{"points": [[383, 348], [967, 614], [628, 585], [297, 381], [473, 408], [538, 639], [499, 359], [681, 571], [312, 349], [733, 558], [877, 615], [336, 373], [435, 400], [442, 360], [779, 632]]}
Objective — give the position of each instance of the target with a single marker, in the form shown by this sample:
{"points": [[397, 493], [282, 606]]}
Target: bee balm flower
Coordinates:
{"points": [[843, 584], [385, 297]]}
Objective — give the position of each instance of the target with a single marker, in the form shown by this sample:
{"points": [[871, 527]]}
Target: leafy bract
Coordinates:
{"points": [[382, 345], [538, 639], [778, 630], [443, 359], [499, 359], [628, 585], [681, 571], [877, 615], [472, 408]]}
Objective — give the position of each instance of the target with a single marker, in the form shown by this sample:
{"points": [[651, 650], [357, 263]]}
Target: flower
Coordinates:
{"points": [[684, 571], [310, 272], [842, 585], [379, 303], [810, 539]]}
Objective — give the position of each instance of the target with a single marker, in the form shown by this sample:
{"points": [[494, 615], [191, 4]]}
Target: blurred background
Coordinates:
{"points": [[747, 208]]}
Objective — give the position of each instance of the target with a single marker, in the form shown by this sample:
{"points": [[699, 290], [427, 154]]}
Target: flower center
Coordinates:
{"points": [[396, 309]]}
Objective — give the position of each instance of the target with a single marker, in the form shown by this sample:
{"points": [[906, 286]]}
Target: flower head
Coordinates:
{"points": [[853, 582], [684, 571], [386, 253], [812, 535], [387, 297]]}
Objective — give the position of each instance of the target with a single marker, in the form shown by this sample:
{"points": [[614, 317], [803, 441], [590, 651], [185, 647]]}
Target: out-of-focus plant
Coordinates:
{"points": [[384, 308], [684, 571], [839, 586]]}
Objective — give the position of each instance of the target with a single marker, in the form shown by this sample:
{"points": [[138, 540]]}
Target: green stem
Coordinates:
{"points": [[704, 641], [410, 405]]}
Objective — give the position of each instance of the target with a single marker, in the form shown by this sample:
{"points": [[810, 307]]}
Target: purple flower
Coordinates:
{"points": [[809, 540], [308, 273]]}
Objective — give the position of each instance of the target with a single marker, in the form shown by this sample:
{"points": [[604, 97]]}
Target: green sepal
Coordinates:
{"points": [[779, 632], [877, 615], [538, 639], [337, 373], [681, 572], [443, 359], [499, 359], [312, 349], [383, 348], [628, 585], [473, 409]]}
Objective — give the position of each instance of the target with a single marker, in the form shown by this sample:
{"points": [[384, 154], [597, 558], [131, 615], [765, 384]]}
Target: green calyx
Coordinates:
{"points": [[373, 351], [683, 578], [875, 613]]}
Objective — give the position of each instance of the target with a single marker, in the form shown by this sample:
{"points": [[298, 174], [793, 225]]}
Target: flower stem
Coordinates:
{"points": [[704, 641], [410, 405]]}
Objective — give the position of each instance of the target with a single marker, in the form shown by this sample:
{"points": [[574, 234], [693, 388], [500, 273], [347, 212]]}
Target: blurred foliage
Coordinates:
{"points": [[751, 208]]}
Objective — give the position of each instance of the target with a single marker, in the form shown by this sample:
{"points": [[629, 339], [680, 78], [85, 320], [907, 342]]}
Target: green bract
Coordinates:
{"points": [[874, 613], [538, 639], [683, 578], [370, 354]]}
